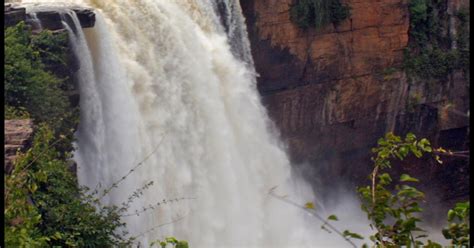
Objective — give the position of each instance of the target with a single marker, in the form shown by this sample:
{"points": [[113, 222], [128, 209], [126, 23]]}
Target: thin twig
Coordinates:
{"points": [[157, 205], [460, 154], [374, 175], [39, 155], [158, 226], [115, 184], [312, 213]]}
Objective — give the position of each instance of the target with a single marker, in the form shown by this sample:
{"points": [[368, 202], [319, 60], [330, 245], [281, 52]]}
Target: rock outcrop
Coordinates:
{"points": [[18, 136], [49, 19], [333, 92]]}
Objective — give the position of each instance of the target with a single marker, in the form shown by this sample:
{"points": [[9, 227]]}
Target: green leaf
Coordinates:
{"points": [[410, 137], [416, 152], [333, 217], [182, 244], [33, 187], [57, 235], [309, 205], [438, 159], [403, 151], [385, 179], [462, 205], [349, 234], [171, 240], [408, 178], [451, 215]]}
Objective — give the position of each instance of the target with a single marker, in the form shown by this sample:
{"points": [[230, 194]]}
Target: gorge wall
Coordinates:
{"points": [[335, 91]]}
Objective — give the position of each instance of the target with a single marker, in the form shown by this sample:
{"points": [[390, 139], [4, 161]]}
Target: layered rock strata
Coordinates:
{"points": [[18, 136], [333, 92]]}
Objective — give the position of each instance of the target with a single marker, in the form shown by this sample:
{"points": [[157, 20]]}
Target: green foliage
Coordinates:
{"points": [[425, 24], [429, 55], [15, 113], [349, 234], [170, 241], [45, 208], [394, 213], [433, 63], [317, 13], [458, 227], [30, 86], [463, 31], [52, 48], [339, 11]]}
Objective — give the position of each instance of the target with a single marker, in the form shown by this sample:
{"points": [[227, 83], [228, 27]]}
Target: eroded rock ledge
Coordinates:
{"points": [[49, 19], [333, 92]]}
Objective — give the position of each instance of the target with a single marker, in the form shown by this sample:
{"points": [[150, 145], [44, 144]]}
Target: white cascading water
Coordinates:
{"points": [[164, 81]]}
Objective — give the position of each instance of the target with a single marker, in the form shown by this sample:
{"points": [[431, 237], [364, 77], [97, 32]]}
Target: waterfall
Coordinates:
{"points": [[35, 22], [169, 85]]}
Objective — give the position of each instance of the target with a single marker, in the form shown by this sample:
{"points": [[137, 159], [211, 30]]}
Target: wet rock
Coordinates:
{"points": [[50, 19], [86, 17]]}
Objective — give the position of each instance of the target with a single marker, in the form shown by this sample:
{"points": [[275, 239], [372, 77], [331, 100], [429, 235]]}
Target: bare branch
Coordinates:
{"points": [[138, 212], [312, 213], [115, 184]]}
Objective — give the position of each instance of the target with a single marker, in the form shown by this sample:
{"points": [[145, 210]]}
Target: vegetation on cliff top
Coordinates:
{"points": [[318, 13]]}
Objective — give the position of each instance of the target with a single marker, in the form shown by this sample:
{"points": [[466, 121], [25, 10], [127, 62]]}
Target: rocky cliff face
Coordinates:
{"points": [[18, 135], [333, 92]]}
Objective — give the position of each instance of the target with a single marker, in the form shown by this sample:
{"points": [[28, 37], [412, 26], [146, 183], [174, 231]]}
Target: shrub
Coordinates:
{"points": [[433, 63], [30, 86], [394, 211], [44, 206]]}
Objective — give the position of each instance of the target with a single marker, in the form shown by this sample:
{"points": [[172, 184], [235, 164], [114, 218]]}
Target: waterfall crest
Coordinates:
{"points": [[175, 79]]}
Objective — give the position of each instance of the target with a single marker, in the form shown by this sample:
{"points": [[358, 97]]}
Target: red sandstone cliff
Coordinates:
{"points": [[332, 94]]}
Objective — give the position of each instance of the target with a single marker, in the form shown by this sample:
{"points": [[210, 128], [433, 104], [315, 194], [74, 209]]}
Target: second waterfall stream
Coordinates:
{"points": [[169, 85]]}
